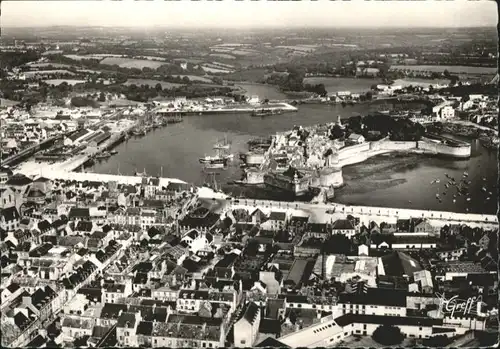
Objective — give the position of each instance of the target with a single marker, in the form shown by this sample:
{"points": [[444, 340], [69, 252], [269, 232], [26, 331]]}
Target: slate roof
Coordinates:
{"points": [[350, 318], [376, 296], [342, 224], [18, 180], [251, 312], [270, 326], [10, 214], [271, 342], [77, 212], [399, 264]]}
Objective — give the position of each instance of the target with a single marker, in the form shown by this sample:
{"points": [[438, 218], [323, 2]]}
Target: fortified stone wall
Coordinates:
{"points": [[327, 177], [393, 145], [400, 213], [352, 150], [443, 149]]}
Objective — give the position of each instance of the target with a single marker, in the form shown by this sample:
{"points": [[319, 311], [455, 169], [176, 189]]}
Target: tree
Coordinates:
{"points": [[102, 97], [158, 87], [338, 244], [337, 132], [446, 73], [252, 248], [388, 335], [440, 341]]}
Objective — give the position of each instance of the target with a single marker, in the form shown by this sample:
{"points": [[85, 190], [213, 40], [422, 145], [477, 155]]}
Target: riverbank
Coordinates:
{"points": [[487, 136], [178, 147]]}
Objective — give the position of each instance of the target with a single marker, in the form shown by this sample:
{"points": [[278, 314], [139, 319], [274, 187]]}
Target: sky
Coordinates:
{"points": [[250, 14]]}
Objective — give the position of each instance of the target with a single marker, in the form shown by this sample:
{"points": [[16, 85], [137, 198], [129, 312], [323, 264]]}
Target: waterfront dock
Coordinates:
{"points": [[242, 108]]}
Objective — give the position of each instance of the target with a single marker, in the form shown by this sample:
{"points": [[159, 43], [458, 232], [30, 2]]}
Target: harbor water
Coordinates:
{"points": [[394, 180]]}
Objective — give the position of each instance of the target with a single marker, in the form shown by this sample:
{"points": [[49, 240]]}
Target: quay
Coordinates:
{"points": [[15, 159], [321, 213], [243, 108]]}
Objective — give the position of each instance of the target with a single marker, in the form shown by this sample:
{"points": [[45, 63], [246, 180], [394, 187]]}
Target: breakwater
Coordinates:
{"points": [[386, 214]]}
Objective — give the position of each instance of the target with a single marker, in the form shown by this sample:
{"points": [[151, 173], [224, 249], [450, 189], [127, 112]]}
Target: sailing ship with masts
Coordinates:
{"points": [[222, 157]]}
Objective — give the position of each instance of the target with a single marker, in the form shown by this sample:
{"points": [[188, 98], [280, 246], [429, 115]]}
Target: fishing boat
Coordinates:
{"points": [[213, 161], [139, 132], [113, 152], [266, 112], [483, 189], [222, 144], [141, 174], [103, 155]]}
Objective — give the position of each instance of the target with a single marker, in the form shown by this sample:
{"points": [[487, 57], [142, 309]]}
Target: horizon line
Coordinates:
{"points": [[251, 27]]}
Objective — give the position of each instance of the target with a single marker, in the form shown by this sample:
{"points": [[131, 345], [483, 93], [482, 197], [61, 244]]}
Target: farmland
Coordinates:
{"points": [[56, 82], [151, 83], [196, 78], [131, 62], [453, 69], [342, 84]]}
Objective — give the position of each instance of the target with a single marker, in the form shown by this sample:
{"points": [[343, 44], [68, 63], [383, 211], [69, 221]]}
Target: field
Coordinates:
{"points": [[152, 58], [420, 82], [57, 82], [46, 72], [44, 65], [91, 56], [215, 70], [151, 83], [252, 75], [245, 53], [7, 102], [302, 48], [222, 55], [452, 69], [131, 63], [342, 84], [196, 78]]}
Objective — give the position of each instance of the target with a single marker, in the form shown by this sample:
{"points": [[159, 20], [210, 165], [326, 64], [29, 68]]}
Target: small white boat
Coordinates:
{"points": [[454, 200], [437, 181], [468, 199]]}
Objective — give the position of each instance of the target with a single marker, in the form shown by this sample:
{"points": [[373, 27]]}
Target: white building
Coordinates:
{"points": [[246, 329], [198, 241]]}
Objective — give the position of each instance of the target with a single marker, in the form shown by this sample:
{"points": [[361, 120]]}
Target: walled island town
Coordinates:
{"points": [[287, 188]]}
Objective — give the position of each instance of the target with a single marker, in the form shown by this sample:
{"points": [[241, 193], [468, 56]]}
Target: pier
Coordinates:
{"points": [[25, 153], [243, 108]]}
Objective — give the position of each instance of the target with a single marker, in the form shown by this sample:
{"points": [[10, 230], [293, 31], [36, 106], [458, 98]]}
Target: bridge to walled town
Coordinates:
{"points": [[317, 212], [369, 213]]}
